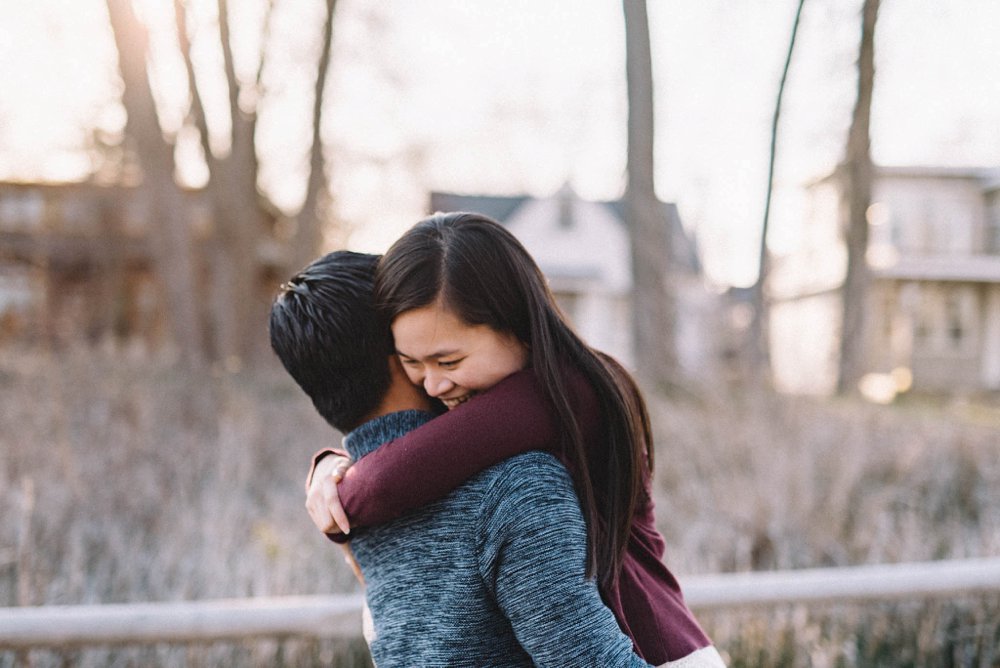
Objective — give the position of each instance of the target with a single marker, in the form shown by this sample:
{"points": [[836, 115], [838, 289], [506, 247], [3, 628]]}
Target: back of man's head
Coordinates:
{"points": [[325, 329]]}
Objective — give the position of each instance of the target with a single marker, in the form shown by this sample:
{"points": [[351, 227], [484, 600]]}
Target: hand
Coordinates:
{"points": [[322, 500]]}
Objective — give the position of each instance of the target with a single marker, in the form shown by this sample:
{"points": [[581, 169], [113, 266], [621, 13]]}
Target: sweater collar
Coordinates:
{"points": [[369, 436]]}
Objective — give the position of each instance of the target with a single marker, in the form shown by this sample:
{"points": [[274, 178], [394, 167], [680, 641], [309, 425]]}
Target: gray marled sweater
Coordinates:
{"points": [[491, 575]]}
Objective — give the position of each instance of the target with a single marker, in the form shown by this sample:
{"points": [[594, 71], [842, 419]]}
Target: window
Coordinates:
{"points": [[924, 329], [992, 240], [960, 319], [946, 322], [928, 327], [887, 315], [21, 210], [956, 328]]}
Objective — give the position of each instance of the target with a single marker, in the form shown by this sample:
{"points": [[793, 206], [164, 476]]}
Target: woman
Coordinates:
{"points": [[453, 277]]}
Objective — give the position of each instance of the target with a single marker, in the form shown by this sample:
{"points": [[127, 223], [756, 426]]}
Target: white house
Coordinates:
{"points": [[934, 305], [583, 249]]}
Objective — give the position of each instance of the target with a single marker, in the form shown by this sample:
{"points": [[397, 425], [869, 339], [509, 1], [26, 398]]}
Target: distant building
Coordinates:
{"points": [[934, 305], [583, 249], [76, 260]]}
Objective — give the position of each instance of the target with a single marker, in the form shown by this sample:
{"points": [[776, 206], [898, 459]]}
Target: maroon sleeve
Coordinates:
{"points": [[511, 418]]}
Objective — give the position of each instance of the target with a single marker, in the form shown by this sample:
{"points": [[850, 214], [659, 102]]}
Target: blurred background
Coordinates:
{"points": [[783, 215]]}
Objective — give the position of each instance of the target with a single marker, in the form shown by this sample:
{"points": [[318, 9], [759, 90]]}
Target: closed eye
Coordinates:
{"points": [[449, 364]]}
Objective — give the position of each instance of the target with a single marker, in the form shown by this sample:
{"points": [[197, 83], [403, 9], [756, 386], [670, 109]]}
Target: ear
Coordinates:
{"points": [[402, 394], [396, 370]]}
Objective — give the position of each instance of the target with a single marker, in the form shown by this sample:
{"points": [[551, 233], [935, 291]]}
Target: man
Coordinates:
{"points": [[493, 574]]}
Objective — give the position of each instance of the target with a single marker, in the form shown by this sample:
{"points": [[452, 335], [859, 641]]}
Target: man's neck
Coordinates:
{"points": [[402, 395], [402, 399]]}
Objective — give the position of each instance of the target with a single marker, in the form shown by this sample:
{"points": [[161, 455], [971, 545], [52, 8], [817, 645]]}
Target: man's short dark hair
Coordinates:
{"points": [[327, 334]]}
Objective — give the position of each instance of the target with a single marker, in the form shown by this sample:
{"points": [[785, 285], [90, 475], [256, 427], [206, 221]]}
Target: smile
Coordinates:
{"points": [[452, 403]]}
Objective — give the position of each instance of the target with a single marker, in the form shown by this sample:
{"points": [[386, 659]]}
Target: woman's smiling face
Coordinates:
{"points": [[452, 359]]}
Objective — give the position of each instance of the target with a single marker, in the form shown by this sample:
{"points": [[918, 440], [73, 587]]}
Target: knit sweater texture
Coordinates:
{"points": [[511, 418], [490, 575]]}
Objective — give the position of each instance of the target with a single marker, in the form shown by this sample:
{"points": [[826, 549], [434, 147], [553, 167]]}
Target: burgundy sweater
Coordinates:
{"points": [[511, 418]]}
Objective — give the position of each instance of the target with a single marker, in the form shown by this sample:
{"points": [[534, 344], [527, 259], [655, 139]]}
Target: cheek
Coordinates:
{"points": [[513, 358], [415, 375], [486, 375], [471, 376]]}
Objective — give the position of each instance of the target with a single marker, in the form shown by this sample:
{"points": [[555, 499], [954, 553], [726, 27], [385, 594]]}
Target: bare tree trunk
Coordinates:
{"points": [[236, 314], [109, 291], [240, 221], [168, 216], [197, 111], [857, 189], [759, 344], [315, 210], [653, 301]]}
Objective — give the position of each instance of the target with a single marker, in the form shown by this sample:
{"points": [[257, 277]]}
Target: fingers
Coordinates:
{"points": [[322, 500], [318, 511], [340, 468], [332, 504], [328, 465]]}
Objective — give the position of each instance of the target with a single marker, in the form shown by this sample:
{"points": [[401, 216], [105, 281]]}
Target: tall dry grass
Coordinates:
{"points": [[767, 482], [761, 482], [127, 480], [124, 479]]}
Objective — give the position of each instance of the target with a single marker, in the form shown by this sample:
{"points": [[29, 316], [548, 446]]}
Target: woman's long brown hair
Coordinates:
{"points": [[483, 274]]}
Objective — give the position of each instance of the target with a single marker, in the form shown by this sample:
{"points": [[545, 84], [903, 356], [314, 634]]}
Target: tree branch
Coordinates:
{"points": [[197, 111]]}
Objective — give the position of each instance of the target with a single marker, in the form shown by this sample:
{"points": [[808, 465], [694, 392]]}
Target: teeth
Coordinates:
{"points": [[451, 403]]}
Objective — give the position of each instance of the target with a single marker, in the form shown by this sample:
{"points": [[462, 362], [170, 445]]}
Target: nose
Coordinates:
{"points": [[436, 385]]}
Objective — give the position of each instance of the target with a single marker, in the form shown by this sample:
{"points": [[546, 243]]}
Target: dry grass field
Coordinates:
{"points": [[764, 482], [125, 480]]}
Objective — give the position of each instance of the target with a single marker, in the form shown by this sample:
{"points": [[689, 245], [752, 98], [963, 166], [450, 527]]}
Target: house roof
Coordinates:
{"points": [[964, 269], [684, 246], [989, 176], [920, 171], [501, 208], [496, 207]]}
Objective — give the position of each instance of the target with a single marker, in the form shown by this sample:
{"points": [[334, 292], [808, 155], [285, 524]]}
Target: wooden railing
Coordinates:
{"points": [[180, 622], [340, 617], [858, 584]]}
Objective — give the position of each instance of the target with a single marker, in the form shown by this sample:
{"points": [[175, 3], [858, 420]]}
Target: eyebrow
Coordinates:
{"points": [[437, 355]]}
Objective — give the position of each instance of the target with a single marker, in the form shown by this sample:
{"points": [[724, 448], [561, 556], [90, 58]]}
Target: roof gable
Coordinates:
{"points": [[509, 209], [497, 208]]}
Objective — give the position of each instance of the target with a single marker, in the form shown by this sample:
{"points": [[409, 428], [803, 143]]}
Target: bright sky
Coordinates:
{"points": [[480, 96]]}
